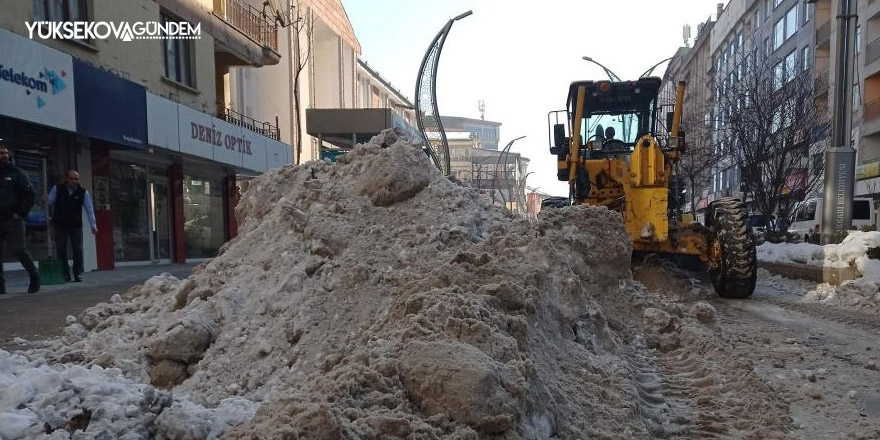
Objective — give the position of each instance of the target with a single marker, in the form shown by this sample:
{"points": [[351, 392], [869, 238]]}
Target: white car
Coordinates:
{"points": [[808, 214]]}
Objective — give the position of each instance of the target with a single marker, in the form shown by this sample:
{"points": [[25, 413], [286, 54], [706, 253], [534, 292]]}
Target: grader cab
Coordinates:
{"points": [[608, 150]]}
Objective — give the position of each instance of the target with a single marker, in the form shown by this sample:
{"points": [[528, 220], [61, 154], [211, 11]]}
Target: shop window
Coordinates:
{"points": [[179, 57], [861, 210], [203, 216], [36, 223], [130, 203]]}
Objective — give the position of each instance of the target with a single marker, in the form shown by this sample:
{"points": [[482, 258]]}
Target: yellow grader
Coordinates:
{"points": [[609, 151]]}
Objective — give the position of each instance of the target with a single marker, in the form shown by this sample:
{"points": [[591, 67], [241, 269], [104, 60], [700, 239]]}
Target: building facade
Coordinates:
{"points": [[139, 119], [693, 64], [866, 88], [502, 173], [489, 132], [319, 71], [784, 35]]}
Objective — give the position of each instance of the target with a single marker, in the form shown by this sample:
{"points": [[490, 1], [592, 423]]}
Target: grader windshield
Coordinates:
{"points": [[628, 108]]}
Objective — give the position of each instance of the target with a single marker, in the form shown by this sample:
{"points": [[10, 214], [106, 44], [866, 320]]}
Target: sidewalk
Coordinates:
{"points": [[41, 315]]}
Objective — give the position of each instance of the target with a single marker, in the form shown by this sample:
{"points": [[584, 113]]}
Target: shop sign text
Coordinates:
{"points": [[215, 137]]}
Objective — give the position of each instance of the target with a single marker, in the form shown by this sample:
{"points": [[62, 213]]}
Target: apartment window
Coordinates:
{"points": [[808, 12], [178, 57], [805, 58], [777, 3], [858, 38], [776, 123], [757, 20], [778, 75], [790, 65], [791, 22], [778, 33], [60, 10]]}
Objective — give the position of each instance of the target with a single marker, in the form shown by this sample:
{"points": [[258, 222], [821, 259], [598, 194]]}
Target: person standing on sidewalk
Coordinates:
{"points": [[68, 201], [16, 200]]}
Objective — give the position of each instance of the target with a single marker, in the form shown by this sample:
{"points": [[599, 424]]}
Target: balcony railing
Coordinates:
{"points": [[823, 33], [872, 111], [249, 20], [872, 52], [233, 117]]}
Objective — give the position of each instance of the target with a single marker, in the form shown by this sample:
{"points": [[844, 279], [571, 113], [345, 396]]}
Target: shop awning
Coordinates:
{"points": [[346, 127]]}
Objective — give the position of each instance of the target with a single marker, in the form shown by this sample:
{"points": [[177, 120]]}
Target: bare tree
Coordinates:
{"points": [[696, 162], [302, 25], [769, 129]]}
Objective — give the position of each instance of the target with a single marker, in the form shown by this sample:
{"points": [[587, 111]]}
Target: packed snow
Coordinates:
{"points": [[373, 299], [43, 401], [862, 293]]}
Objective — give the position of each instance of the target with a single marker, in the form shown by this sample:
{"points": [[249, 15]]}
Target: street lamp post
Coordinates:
{"points": [[521, 193], [611, 75], [841, 157], [648, 72], [504, 152]]}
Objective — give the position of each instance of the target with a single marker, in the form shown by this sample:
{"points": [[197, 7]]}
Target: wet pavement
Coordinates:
{"points": [[41, 315]]}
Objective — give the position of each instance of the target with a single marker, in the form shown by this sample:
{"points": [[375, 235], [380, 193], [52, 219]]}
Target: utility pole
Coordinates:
{"points": [[840, 159]]}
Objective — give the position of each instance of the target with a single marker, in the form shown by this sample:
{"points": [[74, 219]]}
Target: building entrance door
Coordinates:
{"points": [[160, 219]]}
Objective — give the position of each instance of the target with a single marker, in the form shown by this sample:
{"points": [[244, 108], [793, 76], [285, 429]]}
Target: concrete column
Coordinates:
{"points": [[178, 246], [100, 159]]}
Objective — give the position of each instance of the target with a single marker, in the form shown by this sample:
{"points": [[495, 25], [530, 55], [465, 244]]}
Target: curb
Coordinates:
{"points": [[831, 275]]}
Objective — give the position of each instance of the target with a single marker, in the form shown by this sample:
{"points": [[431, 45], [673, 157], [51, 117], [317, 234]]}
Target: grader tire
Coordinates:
{"points": [[736, 270]]}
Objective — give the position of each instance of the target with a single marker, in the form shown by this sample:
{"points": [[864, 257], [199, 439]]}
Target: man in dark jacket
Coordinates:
{"points": [[66, 203], [16, 200]]}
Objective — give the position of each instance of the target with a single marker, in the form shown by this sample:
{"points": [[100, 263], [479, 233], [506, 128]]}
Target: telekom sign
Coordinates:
{"points": [[36, 82]]}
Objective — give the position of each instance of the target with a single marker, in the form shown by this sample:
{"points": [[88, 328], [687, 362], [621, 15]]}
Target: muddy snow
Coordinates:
{"points": [[861, 294], [375, 299]]}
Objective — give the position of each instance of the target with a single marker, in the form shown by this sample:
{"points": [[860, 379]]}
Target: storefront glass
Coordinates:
{"points": [[36, 223], [203, 216], [129, 201]]}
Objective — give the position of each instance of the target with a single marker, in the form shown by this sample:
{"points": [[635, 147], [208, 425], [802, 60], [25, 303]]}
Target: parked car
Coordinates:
{"points": [[555, 202], [759, 225], [808, 214]]}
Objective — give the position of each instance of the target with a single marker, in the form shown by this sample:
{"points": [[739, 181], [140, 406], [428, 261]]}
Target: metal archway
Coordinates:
{"points": [[428, 117]]}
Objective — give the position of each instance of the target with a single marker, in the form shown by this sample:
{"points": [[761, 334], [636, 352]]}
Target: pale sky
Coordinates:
{"points": [[520, 57]]}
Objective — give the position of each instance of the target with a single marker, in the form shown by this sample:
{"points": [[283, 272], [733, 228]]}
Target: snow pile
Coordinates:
{"points": [[373, 298], [793, 253], [51, 401], [861, 293], [849, 253]]}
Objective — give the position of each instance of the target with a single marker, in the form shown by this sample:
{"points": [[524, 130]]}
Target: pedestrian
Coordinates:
{"points": [[66, 203], [815, 237], [16, 200]]}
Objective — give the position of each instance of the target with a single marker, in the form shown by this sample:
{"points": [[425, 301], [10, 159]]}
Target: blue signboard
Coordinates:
{"points": [[109, 107], [333, 155]]}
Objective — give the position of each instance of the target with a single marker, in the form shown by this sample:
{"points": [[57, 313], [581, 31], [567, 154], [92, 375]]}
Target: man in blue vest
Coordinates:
{"points": [[68, 201], [16, 200]]}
